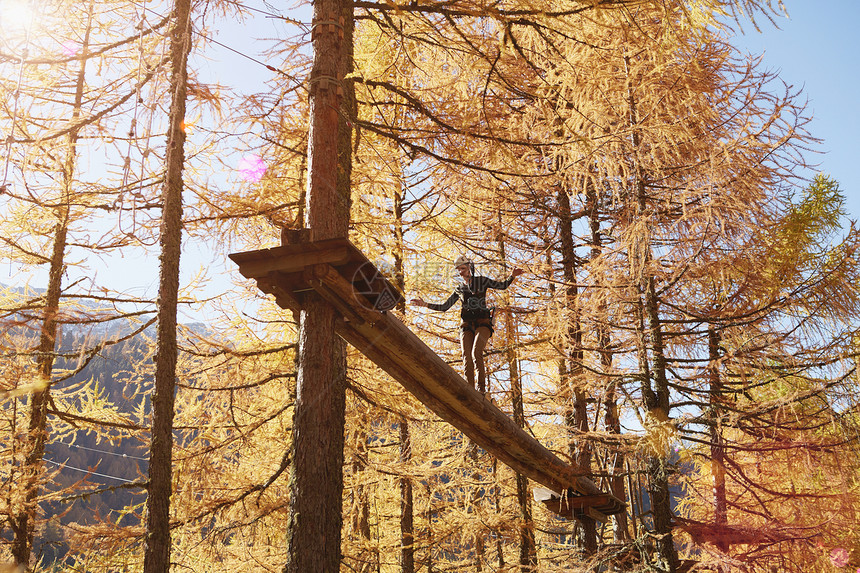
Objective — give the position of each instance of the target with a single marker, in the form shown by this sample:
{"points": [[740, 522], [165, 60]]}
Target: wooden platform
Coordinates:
{"points": [[343, 276]]}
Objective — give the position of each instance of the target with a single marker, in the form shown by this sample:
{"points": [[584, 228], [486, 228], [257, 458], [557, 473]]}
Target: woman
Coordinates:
{"points": [[477, 326]]}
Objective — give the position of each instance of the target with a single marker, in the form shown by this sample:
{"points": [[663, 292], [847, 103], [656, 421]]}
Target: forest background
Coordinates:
{"points": [[716, 385]]}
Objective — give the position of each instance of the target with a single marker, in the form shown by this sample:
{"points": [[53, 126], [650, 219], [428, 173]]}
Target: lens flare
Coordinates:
{"points": [[252, 168], [839, 557], [70, 48]]}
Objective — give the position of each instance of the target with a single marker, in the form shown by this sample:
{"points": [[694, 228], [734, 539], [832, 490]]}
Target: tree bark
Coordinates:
{"points": [[360, 514], [157, 544], [407, 501], [23, 524], [316, 477], [657, 402], [407, 527]]}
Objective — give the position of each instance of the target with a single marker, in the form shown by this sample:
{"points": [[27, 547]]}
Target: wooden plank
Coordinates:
{"points": [[442, 409], [349, 333], [575, 502], [596, 515], [292, 258], [283, 297], [576, 506]]}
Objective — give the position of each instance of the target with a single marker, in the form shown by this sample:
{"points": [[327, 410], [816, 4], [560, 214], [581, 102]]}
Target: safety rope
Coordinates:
{"points": [[132, 132]]}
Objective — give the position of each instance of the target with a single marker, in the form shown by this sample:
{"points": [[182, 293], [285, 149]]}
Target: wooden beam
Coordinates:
{"points": [[397, 350], [575, 502], [334, 298], [291, 258], [333, 287], [354, 337], [283, 297], [577, 506], [595, 515]]}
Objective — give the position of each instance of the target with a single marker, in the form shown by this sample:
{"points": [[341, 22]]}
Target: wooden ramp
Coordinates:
{"points": [[344, 277]]}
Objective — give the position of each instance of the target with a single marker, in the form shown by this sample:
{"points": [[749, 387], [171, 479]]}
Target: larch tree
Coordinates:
{"points": [[677, 207], [160, 486], [23, 524], [316, 472], [641, 214], [781, 358], [602, 141], [52, 209]]}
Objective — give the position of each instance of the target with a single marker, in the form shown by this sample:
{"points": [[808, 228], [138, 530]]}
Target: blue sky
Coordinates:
{"points": [[817, 48]]}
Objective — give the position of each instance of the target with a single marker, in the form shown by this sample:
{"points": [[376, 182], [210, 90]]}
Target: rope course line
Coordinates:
{"points": [[270, 14], [88, 472], [120, 455], [209, 38]]}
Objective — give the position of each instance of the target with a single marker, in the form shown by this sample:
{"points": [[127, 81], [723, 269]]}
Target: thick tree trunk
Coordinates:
{"points": [[23, 523], [156, 557], [316, 477]]}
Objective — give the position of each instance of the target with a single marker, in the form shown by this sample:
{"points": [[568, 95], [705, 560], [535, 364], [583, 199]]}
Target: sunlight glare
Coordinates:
{"points": [[70, 49], [15, 16]]}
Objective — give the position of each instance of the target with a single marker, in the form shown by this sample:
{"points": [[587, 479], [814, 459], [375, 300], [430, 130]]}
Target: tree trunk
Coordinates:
{"points": [[407, 503], [407, 528], [657, 403], [528, 550], [360, 511], [157, 545], [316, 477], [651, 336], [23, 523], [580, 449], [611, 419], [718, 452]]}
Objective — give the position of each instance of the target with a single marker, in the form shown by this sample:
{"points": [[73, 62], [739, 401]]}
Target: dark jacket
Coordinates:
{"points": [[474, 297]]}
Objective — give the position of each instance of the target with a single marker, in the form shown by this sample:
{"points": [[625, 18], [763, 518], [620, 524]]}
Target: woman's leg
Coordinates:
{"points": [[482, 336], [467, 342]]}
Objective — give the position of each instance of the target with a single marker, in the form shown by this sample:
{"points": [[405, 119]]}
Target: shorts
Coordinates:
{"points": [[474, 325]]}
